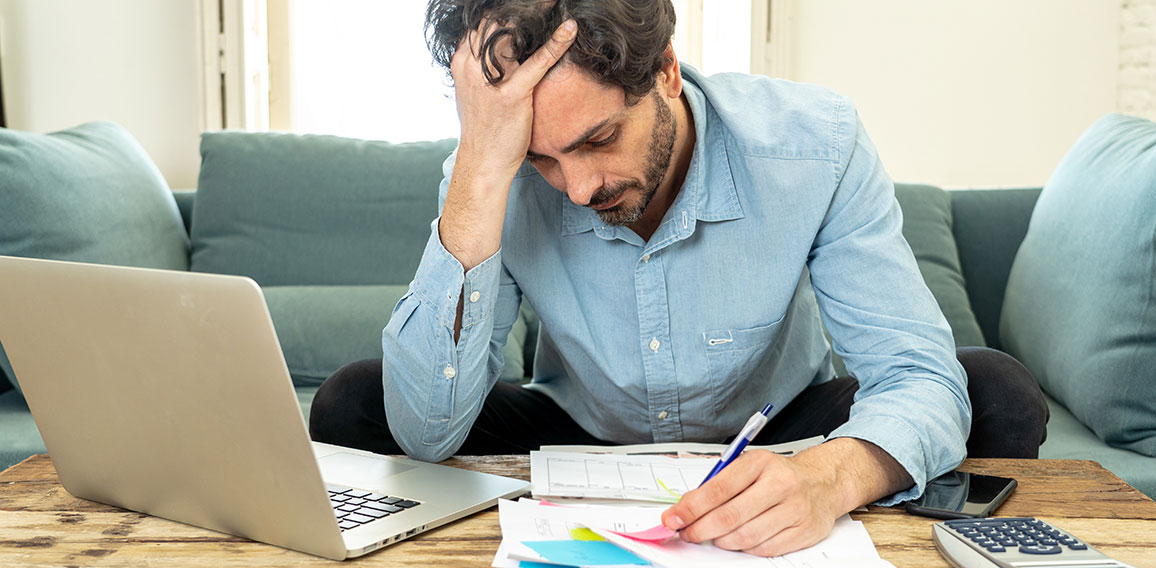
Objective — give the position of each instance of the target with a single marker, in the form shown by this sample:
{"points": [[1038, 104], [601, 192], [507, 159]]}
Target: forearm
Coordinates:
{"points": [[434, 381], [474, 210], [857, 472]]}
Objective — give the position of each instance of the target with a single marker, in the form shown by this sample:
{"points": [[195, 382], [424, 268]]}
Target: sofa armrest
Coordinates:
{"points": [[989, 225], [185, 199]]}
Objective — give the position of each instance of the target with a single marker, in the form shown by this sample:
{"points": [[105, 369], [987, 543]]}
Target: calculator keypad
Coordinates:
{"points": [[1024, 535]]}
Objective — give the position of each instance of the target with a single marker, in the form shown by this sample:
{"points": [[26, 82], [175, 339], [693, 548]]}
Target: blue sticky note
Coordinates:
{"points": [[583, 552]]}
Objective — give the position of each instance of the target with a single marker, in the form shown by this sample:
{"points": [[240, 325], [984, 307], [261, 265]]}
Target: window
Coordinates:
{"points": [[360, 68]]}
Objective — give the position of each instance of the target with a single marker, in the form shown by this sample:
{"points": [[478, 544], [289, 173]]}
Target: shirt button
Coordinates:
{"points": [[646, 258], [475, 296], [662, 415], [449, 372], [654, 344]]}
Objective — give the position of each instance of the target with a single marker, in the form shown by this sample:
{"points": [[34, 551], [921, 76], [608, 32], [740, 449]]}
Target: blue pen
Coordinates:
{"points": [[748, 433]]}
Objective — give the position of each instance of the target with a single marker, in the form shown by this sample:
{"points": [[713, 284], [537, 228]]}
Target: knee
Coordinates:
{"points": [[1007, 403], [339, 399]]}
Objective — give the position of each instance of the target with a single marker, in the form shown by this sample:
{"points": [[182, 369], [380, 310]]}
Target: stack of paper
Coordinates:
{"points": [[613, 499], [536, 534], [647, 472]]}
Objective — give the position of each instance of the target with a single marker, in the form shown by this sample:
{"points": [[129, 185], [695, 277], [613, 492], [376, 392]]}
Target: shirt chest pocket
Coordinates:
{"points": [[733, 356]]}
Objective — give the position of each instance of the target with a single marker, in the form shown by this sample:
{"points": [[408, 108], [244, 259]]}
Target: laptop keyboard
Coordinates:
{"points": [[355, 507]]}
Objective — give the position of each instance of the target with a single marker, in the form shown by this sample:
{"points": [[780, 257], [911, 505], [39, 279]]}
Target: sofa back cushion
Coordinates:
{"points": [[290, 210], [87, 194], [927, 226], [989, 225], [1080, 306]]}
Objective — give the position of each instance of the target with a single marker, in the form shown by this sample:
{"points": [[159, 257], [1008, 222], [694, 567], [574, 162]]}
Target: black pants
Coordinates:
{"points": [[1009, 414]]}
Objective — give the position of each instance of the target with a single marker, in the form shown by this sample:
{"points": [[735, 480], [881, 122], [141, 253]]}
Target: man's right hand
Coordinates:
{"points": [[495, 134]]}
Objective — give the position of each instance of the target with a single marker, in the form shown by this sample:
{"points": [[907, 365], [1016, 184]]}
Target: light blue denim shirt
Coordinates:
{"points": [[786, 213]]}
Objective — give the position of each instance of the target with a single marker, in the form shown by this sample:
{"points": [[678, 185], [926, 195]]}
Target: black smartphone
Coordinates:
{"points": [[962, 495]]}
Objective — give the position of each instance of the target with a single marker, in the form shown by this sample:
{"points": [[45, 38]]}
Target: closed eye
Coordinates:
{"points": [[604, 141]]}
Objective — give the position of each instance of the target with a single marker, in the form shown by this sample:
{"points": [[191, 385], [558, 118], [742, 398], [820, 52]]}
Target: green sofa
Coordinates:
{"points": [[333, 229]]}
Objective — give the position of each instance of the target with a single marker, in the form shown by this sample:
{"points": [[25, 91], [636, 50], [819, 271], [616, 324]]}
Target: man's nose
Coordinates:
{"points": [[582, 182]]}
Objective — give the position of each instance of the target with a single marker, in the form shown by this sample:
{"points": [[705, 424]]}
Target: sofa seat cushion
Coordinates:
{"points": [[1080, 305], [1068, 439], [20, 437], [322, 328], [88, 194], [290, 210]]}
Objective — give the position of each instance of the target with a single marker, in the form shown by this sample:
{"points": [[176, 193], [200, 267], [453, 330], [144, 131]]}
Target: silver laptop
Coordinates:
{"points": [[166, 393]]}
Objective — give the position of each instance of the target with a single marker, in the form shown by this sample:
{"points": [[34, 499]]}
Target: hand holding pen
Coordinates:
{"points": [[748, 433]]}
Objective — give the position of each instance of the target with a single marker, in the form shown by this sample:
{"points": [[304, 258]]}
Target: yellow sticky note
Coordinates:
{"points": [[584, 534]]}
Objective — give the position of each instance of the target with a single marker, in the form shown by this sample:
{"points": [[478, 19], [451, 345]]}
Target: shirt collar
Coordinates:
{"points": [[708, 193]]}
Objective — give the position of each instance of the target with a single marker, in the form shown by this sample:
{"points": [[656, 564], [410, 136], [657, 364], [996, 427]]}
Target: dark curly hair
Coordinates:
{"points": [[619, 42]]}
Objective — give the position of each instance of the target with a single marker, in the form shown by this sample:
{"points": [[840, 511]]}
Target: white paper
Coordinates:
{"points": [[685, 449], [613, 476], [528, 520], [522, 521], [849, 544]]}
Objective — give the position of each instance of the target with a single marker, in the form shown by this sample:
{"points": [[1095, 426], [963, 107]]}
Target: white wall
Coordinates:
{"points": [[134, 62], [985, 93]]}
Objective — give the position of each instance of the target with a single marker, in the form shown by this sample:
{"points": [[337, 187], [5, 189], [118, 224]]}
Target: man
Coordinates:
{"points": [[678, 236]]}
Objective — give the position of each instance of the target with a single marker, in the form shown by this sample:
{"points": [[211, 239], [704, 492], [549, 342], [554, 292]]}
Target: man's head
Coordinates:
{"points": [[620, 43], [603, 128]]}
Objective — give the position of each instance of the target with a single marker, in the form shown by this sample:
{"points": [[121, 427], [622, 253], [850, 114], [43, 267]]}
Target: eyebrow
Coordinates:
{"points": [[581, 139]]}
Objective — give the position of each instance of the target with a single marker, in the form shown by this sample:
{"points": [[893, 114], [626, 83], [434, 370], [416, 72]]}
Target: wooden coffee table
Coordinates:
{"points": [[42, 525]]}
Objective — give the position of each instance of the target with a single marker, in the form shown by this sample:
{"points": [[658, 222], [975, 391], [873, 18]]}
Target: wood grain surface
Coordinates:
{"points": [[41, 524]]}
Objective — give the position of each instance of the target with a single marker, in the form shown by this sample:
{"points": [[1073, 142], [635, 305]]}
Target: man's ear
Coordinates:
{"points": [[670, 76]]}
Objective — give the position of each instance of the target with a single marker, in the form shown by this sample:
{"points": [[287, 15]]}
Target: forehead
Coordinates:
{"points": [[567, 103]]}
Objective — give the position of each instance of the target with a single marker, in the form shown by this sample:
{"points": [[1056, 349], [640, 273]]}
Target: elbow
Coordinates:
{"points": [[423, 448]]}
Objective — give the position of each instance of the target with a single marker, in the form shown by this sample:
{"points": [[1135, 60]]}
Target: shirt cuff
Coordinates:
{"points": [[441, 280], [896, 438]]}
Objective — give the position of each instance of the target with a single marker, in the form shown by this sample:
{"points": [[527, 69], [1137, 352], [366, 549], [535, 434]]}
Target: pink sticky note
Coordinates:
{"points": [[653, 534]]}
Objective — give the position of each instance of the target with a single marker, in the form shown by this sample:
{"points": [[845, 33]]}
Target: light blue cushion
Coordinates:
{"points": [[88, 194], [927, 221], [322, 328], [1068, 439], [1080, 305], [290, 210], [19, 437]]}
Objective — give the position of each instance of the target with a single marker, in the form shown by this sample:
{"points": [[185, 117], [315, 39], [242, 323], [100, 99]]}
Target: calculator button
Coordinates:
{"points": [[995, 548], [1038, 549], [957, 523], [1078, 546]]}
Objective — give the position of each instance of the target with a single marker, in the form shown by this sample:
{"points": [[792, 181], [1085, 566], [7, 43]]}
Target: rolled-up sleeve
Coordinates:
{"points": [[912, 400], [434, 387]]}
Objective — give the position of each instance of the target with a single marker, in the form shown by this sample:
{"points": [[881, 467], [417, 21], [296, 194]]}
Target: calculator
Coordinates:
{"points": [[1011, 542]]}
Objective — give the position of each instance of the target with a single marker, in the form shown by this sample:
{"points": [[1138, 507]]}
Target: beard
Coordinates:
{"points": [[657, 161]]}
